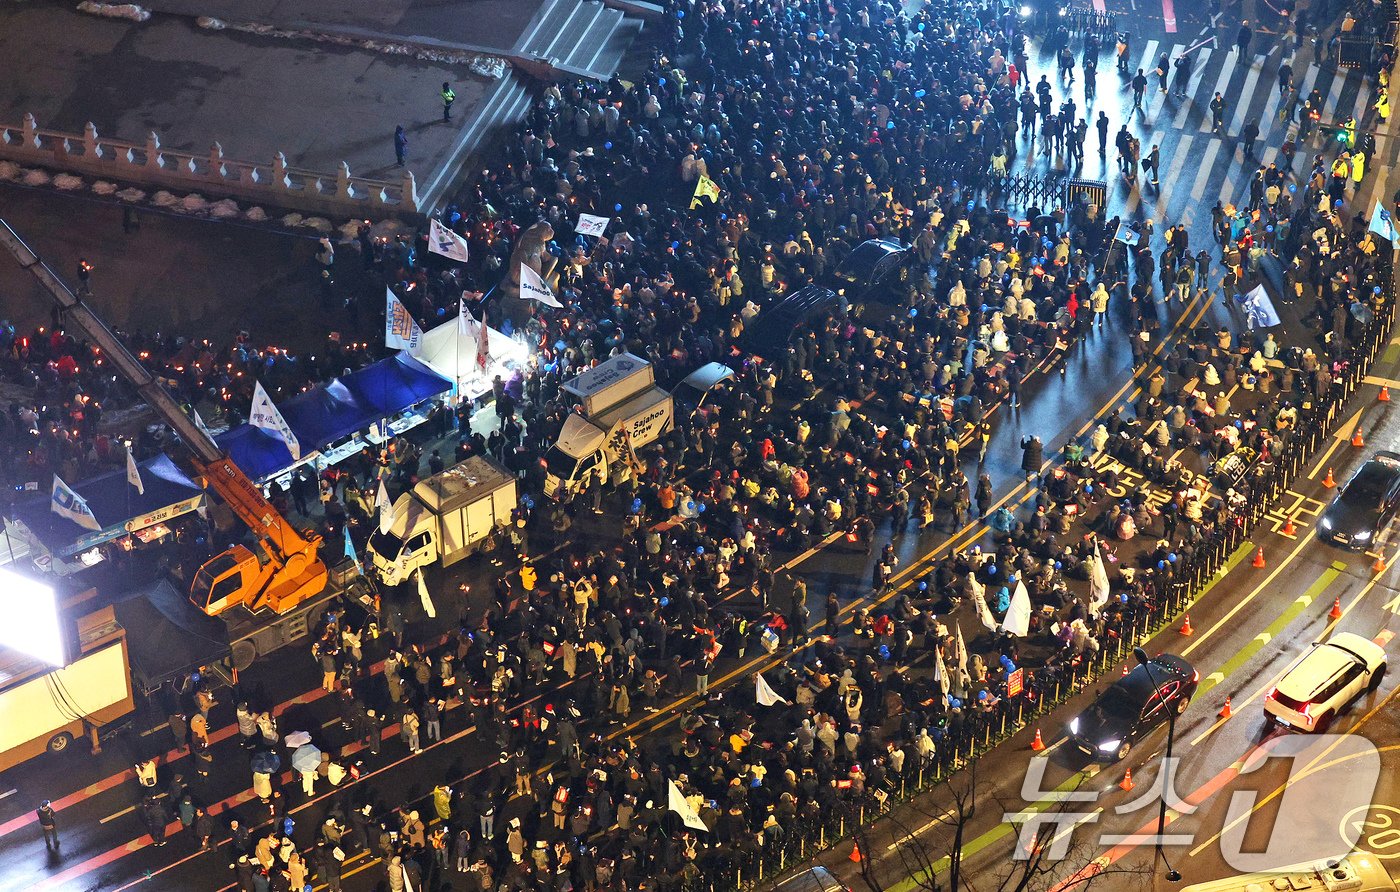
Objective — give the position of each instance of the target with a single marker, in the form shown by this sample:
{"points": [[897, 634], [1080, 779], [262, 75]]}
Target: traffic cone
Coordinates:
{"points": [[1356, 439], [1127, 782], [1328, 481], [855, 852], [1288, 528], [1259, 557], [1336, 611], [1125, 670], [1384, 396], [1186, 627], [1378, 565], [1037, 745], [1225, 711]]}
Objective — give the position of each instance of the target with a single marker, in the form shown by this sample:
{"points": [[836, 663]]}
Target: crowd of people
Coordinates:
{"points": [[822, 125]]}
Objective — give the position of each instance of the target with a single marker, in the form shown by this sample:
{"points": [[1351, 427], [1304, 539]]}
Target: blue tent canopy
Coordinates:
{"points": [[113, 502], [333, 411]]}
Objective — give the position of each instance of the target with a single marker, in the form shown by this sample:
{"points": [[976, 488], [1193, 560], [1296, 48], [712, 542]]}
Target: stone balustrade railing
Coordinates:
{"points": [[276, 184]]}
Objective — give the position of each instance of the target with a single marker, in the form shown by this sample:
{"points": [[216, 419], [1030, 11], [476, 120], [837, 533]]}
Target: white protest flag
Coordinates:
{"points": [[66, 502], [444, 241], [483, 344], [591, 224], [764, 693], [199, 422], [424, 597], [979, 599], [961, 649], [133, 473], [464, 317], [534, 287], [676, 803], [266, 416], [1098, 582], [940, 672], [1018, 615], [381, 501], [401, 331]]}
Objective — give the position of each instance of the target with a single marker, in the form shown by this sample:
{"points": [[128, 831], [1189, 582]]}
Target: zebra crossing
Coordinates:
{"points": [[1199, 166]]}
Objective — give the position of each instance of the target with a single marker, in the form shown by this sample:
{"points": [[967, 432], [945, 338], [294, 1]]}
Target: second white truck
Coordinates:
{"points": [[445, 517], [621, 409]]}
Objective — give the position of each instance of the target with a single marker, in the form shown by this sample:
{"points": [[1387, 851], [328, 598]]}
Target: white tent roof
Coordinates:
{"points": [[450, 353]]}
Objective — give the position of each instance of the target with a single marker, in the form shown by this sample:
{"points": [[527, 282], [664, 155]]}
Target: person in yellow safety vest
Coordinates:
{"points": [[528, 577], [448, 97], [1382, 105], [1341, 168], [1349, 132], [1358, 168]]}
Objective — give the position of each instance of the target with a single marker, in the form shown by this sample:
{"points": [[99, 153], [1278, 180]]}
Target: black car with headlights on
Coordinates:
{"points": [[1133, 706], [1364, 504]]}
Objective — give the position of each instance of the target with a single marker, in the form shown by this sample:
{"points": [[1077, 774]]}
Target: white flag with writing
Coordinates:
{"points": [[764, 693], [534, 287], [66, 502], [133, 473], [676, 803], [401, 331], [979, 599], [381, 501], [1098, 583], [591, 224], [424, 597], [444, 241], [266, 416]]}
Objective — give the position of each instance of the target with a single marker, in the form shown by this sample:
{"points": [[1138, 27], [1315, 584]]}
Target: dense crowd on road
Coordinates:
{"points": [[823, 126]]}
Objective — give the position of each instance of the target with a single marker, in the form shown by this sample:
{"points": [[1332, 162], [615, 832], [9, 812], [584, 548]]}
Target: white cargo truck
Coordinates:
{"points": [[445, 517], [620, 410]]}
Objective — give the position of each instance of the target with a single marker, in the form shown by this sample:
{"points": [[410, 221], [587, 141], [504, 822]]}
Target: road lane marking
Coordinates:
{"points": [[1244, 602]]}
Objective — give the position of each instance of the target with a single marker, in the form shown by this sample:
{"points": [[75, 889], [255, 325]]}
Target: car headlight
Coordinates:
{"points": [[1109, 746], [1363, 536], [1326, 524], [1074, 725]]}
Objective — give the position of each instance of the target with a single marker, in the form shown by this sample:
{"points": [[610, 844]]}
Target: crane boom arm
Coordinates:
{"points": [[204, 448], [280, 538]]}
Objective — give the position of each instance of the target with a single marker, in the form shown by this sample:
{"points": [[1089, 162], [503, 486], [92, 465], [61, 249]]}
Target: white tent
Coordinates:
{"points": [[452, 354]]}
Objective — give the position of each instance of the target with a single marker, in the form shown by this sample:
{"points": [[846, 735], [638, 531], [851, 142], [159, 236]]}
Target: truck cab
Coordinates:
{"points": [[395, 558], [574, 459]]}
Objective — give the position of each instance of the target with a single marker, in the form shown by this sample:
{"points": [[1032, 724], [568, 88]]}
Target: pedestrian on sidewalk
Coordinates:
{"points": [[400, 144], [48, 823], [448, 97]]}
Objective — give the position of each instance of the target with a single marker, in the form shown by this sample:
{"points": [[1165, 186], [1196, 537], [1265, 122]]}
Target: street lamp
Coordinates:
{"points": [[1173, 876]]}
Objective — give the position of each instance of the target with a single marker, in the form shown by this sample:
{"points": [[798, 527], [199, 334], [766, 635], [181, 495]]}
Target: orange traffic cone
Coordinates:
{"points": [[1125, 670], [1328, 481], [855, 852], [1288, 528], [1037, 745], [1259, 557], [1384, 394], [1127, 782], [1336, 611], [1356, 439], [1378, 565], [1186, 627], [1225, 711]]}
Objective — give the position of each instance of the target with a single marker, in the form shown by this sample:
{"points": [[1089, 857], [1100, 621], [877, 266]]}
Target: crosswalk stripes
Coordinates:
{"points": [[1247, 91], [1198, 189], [1221, 85], [1202, 61]]}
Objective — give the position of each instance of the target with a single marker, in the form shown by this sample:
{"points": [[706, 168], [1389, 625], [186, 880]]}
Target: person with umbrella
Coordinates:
{"points": [[264, 764], [306, 761]]}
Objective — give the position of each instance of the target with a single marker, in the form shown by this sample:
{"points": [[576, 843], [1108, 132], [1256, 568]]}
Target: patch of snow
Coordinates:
{"points": [[129, 11], [194, 203], [208, 21], [224, 210], [256, 214], [35, 178], [320, 224], [132, 195], [102, 187], [9, 170], [349, 230], [292, 220], [67, 182], [163, 199]]}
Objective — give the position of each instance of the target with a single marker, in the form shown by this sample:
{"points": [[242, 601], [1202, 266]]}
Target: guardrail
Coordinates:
{"points": [[748, 864], [149, 164]]}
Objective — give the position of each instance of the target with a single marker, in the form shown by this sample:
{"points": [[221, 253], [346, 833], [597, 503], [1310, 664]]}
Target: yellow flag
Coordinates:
{"points": [[705, 188]]}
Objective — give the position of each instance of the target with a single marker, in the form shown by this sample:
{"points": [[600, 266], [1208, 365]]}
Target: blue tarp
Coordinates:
{"points": [[113, 502], [331, 412]]}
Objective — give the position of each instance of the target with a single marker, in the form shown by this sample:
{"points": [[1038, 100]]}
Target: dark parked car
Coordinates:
{"points": [[1130, 708], [1364, 504]]}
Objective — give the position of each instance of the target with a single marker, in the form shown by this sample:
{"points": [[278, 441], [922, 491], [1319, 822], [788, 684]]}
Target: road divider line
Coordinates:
{"points": [[1245, 601]]}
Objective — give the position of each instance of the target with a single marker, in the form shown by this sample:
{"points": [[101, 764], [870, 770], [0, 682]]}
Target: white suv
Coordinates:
{"points": [[1325, 681]]}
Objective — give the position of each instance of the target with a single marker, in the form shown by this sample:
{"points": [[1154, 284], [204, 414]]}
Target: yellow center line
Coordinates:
{"points": [[1294, 776], [1244, 602]]}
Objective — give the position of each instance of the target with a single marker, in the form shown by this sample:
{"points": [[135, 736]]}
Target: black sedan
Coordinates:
{"points": [[1130, 708], [1364, 504]]}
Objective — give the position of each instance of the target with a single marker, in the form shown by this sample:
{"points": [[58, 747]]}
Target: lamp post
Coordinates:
{"points": [[1172, 875]]}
